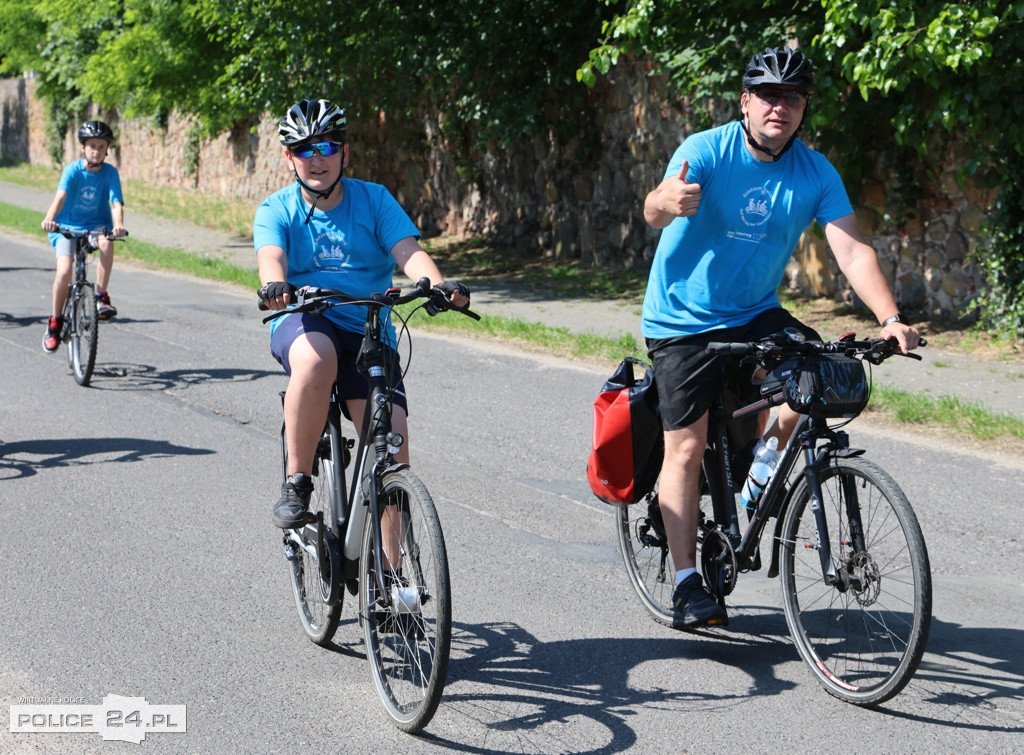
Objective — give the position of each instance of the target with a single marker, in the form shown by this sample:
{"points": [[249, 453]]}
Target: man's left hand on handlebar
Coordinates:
{"points": [[906, 337]]}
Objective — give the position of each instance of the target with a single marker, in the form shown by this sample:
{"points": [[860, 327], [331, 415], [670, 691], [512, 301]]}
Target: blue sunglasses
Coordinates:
{"points": [[324, 148]]}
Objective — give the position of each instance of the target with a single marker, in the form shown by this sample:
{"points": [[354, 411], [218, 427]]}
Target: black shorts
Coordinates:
{"points": [[350, 383], [689, 379]]}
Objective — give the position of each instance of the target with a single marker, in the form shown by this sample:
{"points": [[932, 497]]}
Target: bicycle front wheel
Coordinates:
{"points": [[314, 578], [863, 637], [408, 630], [84, 334]]}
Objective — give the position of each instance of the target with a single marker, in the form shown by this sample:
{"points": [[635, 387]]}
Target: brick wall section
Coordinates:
{"points": [[534, 195]]}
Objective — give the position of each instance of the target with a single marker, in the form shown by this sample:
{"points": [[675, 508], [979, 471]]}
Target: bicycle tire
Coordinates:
{"points": [[319, 619], [84, 333], [645, 552], [408, 644], [863, 644]]}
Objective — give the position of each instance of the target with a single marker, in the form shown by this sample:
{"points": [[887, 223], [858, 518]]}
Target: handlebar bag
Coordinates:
{"points": [[627, 445], [828, 386]]}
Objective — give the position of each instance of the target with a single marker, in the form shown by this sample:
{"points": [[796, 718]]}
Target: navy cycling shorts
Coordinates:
{"points": [[351, 384]]}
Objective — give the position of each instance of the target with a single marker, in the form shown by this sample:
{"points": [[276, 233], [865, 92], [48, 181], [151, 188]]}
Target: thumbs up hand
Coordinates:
{"points": [[680, 197]]}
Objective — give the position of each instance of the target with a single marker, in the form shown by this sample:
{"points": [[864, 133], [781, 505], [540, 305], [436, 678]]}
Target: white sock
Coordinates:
{"points": [[684, 573]]}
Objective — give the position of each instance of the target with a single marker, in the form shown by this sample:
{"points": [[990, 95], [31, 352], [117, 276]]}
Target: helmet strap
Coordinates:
{"points": [[317, 194], [775, 156]]}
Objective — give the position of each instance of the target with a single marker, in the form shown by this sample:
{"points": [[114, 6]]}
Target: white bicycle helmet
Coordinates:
{"points": [[312, 119]]}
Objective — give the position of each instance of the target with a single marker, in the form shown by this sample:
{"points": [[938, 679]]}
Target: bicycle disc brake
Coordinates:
{"points": [[718, 562]]}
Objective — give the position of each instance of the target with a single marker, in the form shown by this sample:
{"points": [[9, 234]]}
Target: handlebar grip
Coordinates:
{"points": [[739, 349]]}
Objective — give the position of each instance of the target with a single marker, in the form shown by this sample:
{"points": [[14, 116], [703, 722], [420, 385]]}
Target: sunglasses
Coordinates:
{"points": [[324, 148], [787, 97]]}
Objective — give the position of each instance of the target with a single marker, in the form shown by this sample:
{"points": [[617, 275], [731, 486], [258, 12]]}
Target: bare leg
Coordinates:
{"points": [[314, 366], [60, 284], [105, 264], [679, 492]]}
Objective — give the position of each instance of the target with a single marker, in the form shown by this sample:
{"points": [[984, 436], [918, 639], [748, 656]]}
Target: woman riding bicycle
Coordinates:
{"points": [[334, 232], [733, 203]]}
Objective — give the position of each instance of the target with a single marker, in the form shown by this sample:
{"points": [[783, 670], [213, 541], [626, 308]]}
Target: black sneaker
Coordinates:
{"points": [[693, 606], [52, 338], [290, 509], [104, 309]]}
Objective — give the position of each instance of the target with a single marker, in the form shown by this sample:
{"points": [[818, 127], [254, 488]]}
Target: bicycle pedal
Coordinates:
{"points": [[289, 553]]}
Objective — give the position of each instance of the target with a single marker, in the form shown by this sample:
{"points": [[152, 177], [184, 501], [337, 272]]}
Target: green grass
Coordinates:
{"points": [[946, 411]]}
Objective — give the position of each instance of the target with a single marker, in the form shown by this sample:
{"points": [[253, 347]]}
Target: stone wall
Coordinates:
{"points": [[581, 199]]}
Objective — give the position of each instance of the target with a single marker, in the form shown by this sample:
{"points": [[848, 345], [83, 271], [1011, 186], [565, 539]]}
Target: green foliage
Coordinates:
{"points": [[1002, 303], [493, 69]]}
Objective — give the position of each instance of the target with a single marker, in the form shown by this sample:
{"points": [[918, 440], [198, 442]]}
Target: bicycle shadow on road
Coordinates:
{"points": [[980, 668], [146, 377], [537, 689], [26, 458]]}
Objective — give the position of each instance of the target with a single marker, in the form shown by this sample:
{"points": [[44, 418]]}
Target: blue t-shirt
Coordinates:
{"points": [[89, 196], [720, 268], [347, 249]]}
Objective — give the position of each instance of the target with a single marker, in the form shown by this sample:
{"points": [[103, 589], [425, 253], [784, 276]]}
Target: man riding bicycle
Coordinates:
{"points": [[733, 203], [332, 232]]}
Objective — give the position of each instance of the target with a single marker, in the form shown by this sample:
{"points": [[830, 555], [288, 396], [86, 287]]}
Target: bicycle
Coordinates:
{"points": [[855, 576], [81, 312], [378, 537]]}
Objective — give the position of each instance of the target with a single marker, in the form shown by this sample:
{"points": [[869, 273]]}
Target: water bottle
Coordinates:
{"points": [[766, 458]]}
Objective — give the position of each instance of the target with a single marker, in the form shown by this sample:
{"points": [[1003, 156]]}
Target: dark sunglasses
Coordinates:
{"points": [[324, 148], [788, 97]]}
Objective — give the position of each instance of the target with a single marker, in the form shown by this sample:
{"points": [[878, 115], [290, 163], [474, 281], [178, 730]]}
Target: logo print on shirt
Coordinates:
{"points": [[758, 207], [331, 250], [88, 196]]}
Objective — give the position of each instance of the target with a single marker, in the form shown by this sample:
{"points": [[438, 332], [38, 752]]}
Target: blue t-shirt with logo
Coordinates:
{"points": [[720, 267], [89, 196], [347, 249]]}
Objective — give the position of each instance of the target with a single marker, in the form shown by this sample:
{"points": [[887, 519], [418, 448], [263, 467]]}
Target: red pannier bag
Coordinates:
{"points": [[627, 445]]}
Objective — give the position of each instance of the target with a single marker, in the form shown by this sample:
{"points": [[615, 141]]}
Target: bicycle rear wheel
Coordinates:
{"points": [[645, 552], [407, 634], [315, 580], [864, 638], [84, 333]]}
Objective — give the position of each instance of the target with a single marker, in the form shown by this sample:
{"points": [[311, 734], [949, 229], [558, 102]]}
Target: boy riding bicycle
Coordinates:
{"points": [[333, 232], [88, 198]]}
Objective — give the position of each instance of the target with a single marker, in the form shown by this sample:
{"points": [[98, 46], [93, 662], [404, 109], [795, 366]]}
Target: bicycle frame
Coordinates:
{"points": [[775, 499]]}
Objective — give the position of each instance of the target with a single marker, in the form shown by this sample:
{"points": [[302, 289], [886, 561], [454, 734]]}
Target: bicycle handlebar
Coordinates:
{"points": [[70, 233], [783, 346], [314, 299]]}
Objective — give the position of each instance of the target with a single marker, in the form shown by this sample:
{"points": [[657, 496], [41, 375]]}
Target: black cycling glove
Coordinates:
{"points": [[276, 289], [449, 288]]}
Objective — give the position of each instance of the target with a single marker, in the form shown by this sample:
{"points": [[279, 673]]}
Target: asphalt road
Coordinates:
{"points": [[139, 560]]}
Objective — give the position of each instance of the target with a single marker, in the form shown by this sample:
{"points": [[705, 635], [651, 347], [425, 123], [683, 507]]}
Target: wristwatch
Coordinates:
{"points": [[890, 320]]}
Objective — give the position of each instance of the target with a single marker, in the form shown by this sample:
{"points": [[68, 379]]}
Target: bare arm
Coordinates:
{"points": [[416, 264], [117, 215], [859, 264], [272, 263], [48, 223]]}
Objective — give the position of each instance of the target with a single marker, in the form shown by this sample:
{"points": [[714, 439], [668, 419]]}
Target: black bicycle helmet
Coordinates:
{"points": [[780, 66], [95, 130], [310, 119]]}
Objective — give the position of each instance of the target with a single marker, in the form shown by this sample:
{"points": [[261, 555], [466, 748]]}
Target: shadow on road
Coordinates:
{"points": [[25, 458], [542, 690]]}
